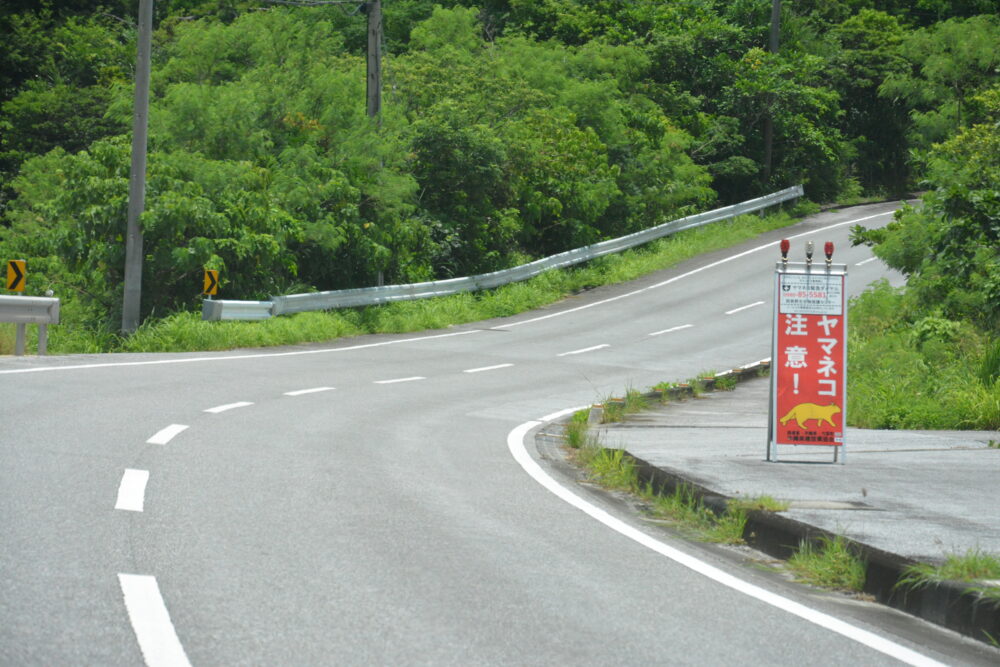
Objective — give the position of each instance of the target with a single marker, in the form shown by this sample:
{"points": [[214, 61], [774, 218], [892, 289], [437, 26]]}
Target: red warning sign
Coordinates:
{"points": [[809, 360]]}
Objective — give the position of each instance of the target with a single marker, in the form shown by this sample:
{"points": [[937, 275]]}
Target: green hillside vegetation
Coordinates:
{"points": [[509, 130], [929, 356]]}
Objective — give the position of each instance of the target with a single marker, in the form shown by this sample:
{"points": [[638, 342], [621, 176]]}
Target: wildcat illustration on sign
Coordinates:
{"points": [[803, 412]]}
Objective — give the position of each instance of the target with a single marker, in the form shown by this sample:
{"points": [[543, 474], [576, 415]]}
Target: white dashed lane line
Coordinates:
{"points": [[398, 380], [584, 350], [671, 330], [132, 490], [302, 392], [487, 368], [151, 622], [742, 308], [229, 406], [167, 434], [865, 261]]}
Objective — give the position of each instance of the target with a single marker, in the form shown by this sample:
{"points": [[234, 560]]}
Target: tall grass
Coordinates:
{"points": [[910, 369], [831, 564], [182, 332]]}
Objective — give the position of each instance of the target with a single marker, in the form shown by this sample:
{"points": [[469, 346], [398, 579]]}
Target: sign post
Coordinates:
{"points": [[809, 355]]}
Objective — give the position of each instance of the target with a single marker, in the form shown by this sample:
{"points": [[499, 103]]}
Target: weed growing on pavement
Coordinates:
{"points": [[726, 382], [576, 429], [830, 564], [761, 503], [974, 565], [613, 469], [615, 408]]}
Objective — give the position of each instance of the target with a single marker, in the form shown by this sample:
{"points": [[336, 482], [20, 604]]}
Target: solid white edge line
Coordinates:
{"points": [[487, 368], [398, 380], [132, 490], [151, 622], [865, 261], [237, 357], [515, 443], [303, 392], [586, 349], [228, 406], [692, 272], [165, 435], [747, 307], [671, 330], [364, 346]]}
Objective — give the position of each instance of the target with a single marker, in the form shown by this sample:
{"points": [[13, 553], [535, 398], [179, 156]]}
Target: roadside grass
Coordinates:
{"points": [[914, 370], [186, 332], [974, 566], [616, 408], [830, 564], [576, 429]]}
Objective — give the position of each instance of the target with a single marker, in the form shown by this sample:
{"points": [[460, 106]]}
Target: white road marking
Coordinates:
{"points": [[132, 490], [238, 357], [228, 406], [398, 380], [487, 368], [515, 443], [586, 349], [865, 261], [365, 346], [163, 436], [151, 622], [747, 307], [671, 330], [302, 392], [669, 281]]}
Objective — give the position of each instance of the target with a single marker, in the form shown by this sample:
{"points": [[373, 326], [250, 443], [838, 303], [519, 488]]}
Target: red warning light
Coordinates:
{"points": [[828, 249], [785, 245]]}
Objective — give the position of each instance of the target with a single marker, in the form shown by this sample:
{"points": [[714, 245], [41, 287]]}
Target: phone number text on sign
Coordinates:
{"points": [[811, 294]]}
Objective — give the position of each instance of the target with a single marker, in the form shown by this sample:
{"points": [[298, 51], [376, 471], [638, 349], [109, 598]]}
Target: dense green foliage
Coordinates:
{"points": [[510, 129], [929, 356]]}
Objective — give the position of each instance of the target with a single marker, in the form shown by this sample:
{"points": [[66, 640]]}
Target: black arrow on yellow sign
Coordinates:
{"points": [[210, 284], [15, 275]]}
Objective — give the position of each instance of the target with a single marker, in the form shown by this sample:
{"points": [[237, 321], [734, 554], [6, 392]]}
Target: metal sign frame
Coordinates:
{"points": [[808, 405]]}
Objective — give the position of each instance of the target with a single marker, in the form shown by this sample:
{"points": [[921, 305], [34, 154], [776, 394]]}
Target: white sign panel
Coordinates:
{"points": [[811, 294]]}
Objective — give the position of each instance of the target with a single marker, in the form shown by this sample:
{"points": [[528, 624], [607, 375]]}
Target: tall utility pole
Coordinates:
{"points": [[137, 178], [374, 8], [768, 120]]}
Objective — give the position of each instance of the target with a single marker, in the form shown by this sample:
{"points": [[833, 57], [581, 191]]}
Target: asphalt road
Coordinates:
{"points": [[356, 502]]}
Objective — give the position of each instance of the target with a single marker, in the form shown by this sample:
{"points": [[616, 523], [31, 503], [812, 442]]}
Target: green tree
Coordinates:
{"points": [[949, 63]]}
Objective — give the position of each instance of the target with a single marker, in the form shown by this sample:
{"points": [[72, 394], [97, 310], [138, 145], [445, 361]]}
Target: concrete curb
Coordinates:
{"points": [[948, 603]]}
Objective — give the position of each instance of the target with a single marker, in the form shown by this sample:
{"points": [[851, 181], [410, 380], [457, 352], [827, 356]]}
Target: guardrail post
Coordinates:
{"points": [[19, 340], [43, 339]]}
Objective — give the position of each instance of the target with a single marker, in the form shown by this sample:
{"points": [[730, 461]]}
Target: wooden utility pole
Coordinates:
{"points": [[137, 178], [375, 59], [768, 119]]}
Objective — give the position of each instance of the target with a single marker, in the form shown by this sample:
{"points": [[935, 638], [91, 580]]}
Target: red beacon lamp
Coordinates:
{"points": [[785, 245], [828, 251]]}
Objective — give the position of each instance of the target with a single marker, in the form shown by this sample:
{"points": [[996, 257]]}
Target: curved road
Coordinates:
{"points": [[357, 503]]}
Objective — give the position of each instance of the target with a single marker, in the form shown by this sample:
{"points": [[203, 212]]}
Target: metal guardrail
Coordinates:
{"points": [[22, 310], [221, 309]]}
